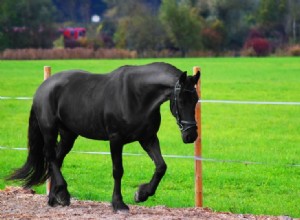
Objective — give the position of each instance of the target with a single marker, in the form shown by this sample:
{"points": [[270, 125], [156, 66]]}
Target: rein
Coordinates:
{"points": [[184, 125]]}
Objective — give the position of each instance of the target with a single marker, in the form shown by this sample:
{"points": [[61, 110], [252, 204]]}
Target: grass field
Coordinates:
{"points": [[266, 134]]}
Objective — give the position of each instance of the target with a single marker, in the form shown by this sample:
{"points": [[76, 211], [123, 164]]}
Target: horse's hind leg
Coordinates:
{"points": [[50, 138], [58, 191], [151, 146], [67, 139]]}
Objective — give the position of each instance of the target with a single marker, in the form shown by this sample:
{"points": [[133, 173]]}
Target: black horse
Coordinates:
{"points": [[122, 106]]}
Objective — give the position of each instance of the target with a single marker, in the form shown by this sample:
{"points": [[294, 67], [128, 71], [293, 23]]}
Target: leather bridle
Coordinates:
{"points": [[184, 125]]}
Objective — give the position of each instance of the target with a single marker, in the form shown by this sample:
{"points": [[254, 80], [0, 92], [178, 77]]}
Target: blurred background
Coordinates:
{"points": [[151, 28]]}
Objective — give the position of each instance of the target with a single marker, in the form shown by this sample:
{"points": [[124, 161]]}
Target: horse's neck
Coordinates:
{"points": [[156, 89]]}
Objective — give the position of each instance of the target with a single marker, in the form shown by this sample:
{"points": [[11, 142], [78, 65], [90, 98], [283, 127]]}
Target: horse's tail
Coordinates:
{"points": [[35, 169]]}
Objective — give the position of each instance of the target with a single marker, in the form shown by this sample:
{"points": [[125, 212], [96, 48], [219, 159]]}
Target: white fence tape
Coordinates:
{"points": [[15, 98], [249, 102], [201, 101], [171, 156], [181, 156]]}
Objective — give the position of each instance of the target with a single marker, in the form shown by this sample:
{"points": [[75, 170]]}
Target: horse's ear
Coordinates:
{"points": [[196, 77], [182, 77]]}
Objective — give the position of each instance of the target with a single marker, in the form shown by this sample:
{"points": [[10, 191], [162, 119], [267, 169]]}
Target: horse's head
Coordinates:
{"points": [[183, 103]]}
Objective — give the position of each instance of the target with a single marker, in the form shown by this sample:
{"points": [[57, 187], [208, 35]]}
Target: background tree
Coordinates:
{"points": [[272, 12], [293, 20], [145, 25], [213, 36], [136, 27], [236, 16], [78, 11], [182, 23], [116, 20], [271, 21], [26, 23], [145, 33]]}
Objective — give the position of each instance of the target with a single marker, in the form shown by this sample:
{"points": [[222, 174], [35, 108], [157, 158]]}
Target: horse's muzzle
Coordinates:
{"points": [[190, 135]]}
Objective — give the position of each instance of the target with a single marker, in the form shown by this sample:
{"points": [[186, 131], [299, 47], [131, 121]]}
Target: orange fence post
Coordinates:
{"points": [[198, 147], [47, 74]]}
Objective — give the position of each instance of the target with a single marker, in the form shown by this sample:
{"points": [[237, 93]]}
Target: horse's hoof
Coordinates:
{"points": [[122, 211], [52, 202], [140, 198], [63, 198], [56, 201], [136, 197], [59, 197], [120, 207], [65, 202], [141, 195]]}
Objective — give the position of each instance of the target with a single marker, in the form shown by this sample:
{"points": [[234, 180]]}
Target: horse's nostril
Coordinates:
{"points": [[188, 138]]}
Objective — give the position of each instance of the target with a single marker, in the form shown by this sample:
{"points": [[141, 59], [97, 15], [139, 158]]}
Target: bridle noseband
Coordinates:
{"points": [[184, 125]]}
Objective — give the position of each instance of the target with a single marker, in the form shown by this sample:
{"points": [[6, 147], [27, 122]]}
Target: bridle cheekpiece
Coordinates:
{"points": [[184, 125]]}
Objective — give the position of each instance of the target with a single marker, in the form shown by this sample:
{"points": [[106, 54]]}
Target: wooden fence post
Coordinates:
{"points": [[47, 74], [198, 147]]}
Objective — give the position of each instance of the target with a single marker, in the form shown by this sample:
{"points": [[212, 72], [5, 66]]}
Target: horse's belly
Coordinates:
{"points": [[90, 130], [94, 136]]}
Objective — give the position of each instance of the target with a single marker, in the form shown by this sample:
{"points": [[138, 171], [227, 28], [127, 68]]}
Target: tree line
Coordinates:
{"points": [[141, 25]]}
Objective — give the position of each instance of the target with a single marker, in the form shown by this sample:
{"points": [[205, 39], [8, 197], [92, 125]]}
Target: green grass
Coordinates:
{"points": [[267, 134]]}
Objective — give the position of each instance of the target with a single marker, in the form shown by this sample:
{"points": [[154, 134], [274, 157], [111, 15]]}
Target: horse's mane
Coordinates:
{"points": [[150, 74], [157, 67]]}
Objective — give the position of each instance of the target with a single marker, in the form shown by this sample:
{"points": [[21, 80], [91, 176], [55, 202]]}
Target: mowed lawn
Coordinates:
{"points": [[251, 152]]}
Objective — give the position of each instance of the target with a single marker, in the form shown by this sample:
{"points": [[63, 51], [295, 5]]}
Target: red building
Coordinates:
{"points": [[74, 37]]}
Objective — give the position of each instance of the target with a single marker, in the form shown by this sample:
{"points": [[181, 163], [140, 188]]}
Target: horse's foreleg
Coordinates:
{"points": [[145, 190], [116, 156]]}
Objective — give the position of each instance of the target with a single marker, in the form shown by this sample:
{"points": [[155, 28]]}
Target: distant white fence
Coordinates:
{"points": [[169, 156], [201, 101]]}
